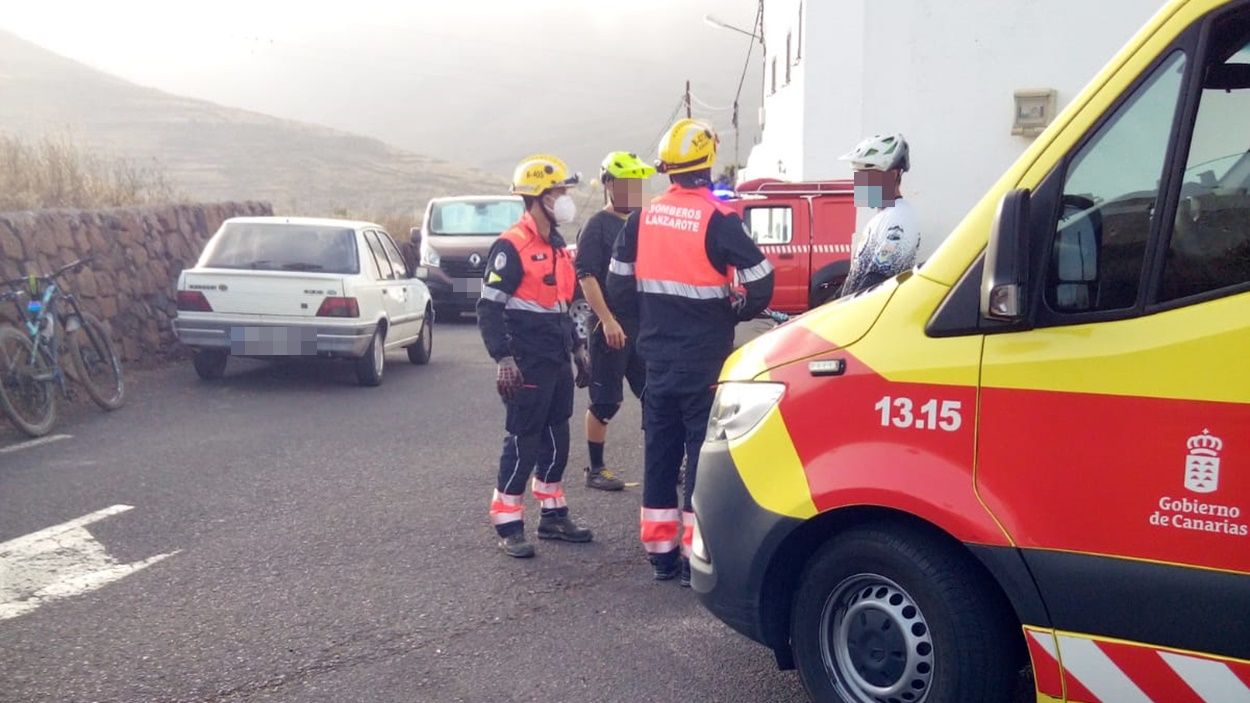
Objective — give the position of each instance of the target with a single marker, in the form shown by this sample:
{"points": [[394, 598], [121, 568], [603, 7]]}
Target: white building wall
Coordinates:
{"points": [[943, 74], [780, 155], [835, 42]]}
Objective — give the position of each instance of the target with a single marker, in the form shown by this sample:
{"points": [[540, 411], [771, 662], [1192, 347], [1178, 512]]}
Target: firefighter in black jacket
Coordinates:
{"points": [[674, 267], [523, 317]]}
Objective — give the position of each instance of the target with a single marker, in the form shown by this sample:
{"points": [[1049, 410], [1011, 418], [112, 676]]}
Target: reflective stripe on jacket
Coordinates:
{"points": [[526, 292]]}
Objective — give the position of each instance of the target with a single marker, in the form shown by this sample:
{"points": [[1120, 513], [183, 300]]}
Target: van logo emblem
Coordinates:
{"points": [[1202, 465], [475, 260]]}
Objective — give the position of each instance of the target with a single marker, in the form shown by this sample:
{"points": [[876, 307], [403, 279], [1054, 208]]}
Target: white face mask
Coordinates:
{"points": [[563, 210]]}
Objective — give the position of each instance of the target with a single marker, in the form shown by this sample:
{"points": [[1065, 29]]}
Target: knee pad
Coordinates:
{"points": [[604, 412]]}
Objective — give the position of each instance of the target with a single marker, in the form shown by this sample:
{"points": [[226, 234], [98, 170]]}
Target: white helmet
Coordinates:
{"points": [[880, 153]]}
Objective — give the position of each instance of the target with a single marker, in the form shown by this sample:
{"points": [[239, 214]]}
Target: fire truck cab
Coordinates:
{"points": [[1026, 462], [805, 230]]}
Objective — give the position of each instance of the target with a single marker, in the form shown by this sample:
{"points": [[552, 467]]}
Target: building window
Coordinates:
{"points": [[798, 54], [789, 60], [773, 77]]}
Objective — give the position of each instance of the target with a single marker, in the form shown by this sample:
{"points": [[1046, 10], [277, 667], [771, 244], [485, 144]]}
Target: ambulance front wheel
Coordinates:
{"points": [[887, 614]]}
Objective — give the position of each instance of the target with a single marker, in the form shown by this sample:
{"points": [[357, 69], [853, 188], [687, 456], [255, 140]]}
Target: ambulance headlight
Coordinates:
{"points": [[740, 406]]}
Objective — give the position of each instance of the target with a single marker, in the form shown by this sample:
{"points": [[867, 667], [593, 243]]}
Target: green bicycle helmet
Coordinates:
{"points": [[623, 164]]}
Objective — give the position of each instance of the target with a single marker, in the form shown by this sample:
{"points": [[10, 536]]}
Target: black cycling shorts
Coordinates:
{"points": [[610, 368]]}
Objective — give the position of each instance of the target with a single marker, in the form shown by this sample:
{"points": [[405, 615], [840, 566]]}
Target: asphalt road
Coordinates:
{"points": [[330, 543]]}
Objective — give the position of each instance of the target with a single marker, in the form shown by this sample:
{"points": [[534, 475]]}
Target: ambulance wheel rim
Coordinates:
{"points": [[876, 644]]}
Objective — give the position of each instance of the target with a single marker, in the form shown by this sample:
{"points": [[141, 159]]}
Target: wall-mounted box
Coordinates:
{"points": [[1034, 110]]}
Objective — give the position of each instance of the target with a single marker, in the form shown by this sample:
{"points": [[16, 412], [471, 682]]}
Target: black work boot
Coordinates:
{"points": [[665, 566], [515, 545], [562, 527], [685, 572], [603, 479]]}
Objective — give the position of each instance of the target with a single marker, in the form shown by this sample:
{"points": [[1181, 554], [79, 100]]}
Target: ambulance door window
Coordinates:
{"points": [[1111, 192], [1209, 251], [770, 225]]}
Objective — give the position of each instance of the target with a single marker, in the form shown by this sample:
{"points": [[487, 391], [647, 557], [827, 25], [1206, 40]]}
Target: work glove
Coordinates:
{"points": [[581, 359], [508, 378]]}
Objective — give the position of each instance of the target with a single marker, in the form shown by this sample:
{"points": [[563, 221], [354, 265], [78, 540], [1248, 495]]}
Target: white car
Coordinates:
{"points": [[276, 286]]}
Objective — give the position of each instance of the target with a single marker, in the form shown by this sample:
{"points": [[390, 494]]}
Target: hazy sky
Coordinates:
{"points": [[477, 81]]}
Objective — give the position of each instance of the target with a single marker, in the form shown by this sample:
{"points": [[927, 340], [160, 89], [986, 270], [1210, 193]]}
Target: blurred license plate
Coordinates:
{"points": [[467, 286], [273, 341]]}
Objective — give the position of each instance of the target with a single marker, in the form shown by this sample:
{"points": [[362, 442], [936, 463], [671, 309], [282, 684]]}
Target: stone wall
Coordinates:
{"points": [[140, 252]]}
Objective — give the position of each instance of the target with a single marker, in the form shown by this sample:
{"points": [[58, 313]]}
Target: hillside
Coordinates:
{"points": [[211, 152]]}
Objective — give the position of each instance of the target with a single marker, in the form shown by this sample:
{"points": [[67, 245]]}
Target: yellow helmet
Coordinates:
{"points": [[539, 173], [689, 145]]}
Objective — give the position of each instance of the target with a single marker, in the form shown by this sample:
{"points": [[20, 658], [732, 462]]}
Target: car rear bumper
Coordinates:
{"points": [[349, 338], [742, 539]]}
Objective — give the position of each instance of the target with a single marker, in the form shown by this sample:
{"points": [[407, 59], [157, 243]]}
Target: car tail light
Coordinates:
{"points": [[193, 301], [338, 307]]}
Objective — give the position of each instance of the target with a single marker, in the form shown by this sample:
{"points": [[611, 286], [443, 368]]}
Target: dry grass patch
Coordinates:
{"points": [[57, 172]]}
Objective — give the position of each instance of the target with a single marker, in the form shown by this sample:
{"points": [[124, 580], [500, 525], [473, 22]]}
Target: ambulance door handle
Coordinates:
{"points": [[786, 255]]}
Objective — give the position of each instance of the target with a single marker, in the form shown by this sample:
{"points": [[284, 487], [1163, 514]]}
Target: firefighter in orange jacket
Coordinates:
{"points": [[524, 321], [674, 264]]}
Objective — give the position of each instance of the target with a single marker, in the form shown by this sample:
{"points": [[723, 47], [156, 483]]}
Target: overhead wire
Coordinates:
{"points": [[746, 65], [711, 108], [655, 143]]}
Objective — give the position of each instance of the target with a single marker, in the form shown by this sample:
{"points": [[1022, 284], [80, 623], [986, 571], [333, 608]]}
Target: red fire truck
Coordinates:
{"points": [[805, 229]]}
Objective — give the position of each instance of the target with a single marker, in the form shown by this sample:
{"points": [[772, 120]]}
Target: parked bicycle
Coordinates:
{"points": [[51, 324]]}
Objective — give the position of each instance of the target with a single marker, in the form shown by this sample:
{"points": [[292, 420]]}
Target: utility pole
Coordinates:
{"points": [[687, 99]]}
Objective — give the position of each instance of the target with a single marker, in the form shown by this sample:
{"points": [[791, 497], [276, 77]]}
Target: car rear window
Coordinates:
{"points": [[284, 247], [469, 217]]}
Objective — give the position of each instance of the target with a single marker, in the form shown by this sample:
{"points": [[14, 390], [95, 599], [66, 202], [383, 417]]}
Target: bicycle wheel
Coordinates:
{"points": [[95, 359], [28, 399]]}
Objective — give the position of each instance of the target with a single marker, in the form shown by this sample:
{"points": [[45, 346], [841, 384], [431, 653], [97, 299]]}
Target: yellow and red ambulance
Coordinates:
{"points": [[1031, 455]]}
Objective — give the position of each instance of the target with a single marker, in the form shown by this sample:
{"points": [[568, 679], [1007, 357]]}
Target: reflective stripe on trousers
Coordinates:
{"points": [[549, 495], [506, 508], [687, 532], [659, 529]]}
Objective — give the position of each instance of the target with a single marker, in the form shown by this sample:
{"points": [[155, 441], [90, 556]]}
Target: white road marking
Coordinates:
{"points": [[59, 562], [34, 443]]}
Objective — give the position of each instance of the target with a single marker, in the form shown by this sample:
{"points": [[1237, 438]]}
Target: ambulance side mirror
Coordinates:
{"points": [[1005, 279]]}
